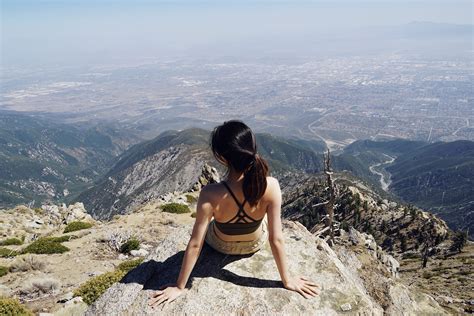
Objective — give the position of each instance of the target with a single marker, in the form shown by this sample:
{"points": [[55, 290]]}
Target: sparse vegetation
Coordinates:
{"points": [[45, 246], [12, 307], [11, 241], [193, 214], [38, 211], [459, 241], [403, 243], [427, 275], [77, 225], [131, 244], [41, 286], [95, 287], [175, 208], [27, 263], [61, 239], [6, 253], [3, 270], [190, 198], [130, 264], [117, 238], [345, 226]]}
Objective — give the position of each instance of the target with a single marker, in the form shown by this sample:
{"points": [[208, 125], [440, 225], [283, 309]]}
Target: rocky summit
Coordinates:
{"points": [[230, 285]]}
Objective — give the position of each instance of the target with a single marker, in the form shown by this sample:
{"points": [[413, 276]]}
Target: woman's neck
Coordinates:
{"points": [[235, 176]]}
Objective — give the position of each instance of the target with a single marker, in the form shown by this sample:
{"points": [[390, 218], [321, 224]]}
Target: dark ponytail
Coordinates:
{"points": [[234, 142], [255, 180]]}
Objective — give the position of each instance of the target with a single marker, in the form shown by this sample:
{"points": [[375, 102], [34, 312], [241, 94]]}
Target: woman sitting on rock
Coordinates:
{"points": [[246, 207]]}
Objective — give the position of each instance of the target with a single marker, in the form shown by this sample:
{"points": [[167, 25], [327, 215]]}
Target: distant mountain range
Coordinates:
{"points": [[45, 160], [173, 160], [437, 177]]}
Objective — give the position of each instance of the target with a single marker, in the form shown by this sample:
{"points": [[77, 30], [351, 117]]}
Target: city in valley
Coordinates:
{"points": [[337, 100]]}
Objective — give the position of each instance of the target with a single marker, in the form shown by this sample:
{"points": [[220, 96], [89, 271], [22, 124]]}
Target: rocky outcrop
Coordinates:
{"points": [[208, 175], [357, 238], [391, 224], [31, 223], [126, 188], [230, 285]]}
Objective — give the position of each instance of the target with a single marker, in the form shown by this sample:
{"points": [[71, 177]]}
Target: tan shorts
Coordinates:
{"points": [[236, 247]]}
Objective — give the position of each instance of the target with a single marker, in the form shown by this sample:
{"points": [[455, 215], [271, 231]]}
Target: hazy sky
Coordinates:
{"points": [[36, 31]]}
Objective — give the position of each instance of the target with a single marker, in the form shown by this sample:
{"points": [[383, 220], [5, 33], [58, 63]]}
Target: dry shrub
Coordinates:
{"points": [[117, 238], [41, 285], [27, 263]]}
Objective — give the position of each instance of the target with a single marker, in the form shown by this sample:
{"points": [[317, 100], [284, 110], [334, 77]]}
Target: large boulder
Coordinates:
{"points": [[208, 175], [230, 285]]}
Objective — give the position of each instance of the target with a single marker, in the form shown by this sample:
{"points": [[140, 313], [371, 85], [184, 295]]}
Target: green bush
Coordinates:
{"points": [[45, 246], [190, 198], [129, 245], [175, 208], [130, 264], [3, 270], [11, 307], [5, 252], [193, 214], [78, 225], [11, 241], [95, 287]]}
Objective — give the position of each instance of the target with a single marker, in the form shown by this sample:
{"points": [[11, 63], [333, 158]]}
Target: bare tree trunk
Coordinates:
{"points": [[330, 203]]}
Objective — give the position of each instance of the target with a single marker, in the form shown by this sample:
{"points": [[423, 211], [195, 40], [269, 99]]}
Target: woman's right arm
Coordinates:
{"points": [[275, 237]]}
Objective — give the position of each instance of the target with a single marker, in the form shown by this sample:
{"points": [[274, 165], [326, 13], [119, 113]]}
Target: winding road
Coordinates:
{"points": [[384, 180]]}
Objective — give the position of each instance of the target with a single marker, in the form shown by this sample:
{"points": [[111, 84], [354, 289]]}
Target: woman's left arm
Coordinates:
{"points": [[203, 217]]}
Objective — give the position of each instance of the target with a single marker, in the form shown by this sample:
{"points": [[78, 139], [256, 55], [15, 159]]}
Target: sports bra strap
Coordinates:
{"points": [[241, 206]]}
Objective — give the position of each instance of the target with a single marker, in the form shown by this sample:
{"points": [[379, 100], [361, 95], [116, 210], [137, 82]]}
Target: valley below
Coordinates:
{"points": [[379, 170]]}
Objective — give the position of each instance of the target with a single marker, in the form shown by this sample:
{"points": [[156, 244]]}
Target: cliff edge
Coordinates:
{"points": [[232, 285]]}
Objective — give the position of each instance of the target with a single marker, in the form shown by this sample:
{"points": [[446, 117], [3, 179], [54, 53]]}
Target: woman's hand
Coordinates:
{"points": [[165, 296], [302, 286]]}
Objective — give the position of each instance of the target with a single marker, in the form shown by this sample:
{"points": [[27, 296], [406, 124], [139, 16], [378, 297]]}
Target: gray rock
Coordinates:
{"points": [[446, 299], [355, 237], [208, 175], [246, 284], [346, 307], [75, 300], [139, 253], [32, 224], [5, 291], [66, 297]]}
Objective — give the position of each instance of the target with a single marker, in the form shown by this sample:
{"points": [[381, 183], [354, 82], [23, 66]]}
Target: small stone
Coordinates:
{"points": [[32, 224], [346, 307], [122, 256], [446, 299], [139, 253], [5, 290], [75, 300], [145, 246], [66, 297]]}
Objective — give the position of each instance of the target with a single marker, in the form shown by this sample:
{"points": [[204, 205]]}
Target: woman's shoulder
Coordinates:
{"points": [[272, 182], [273, 188]]}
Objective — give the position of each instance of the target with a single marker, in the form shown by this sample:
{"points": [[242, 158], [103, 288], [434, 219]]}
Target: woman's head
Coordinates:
{"points": [[233, 144]]}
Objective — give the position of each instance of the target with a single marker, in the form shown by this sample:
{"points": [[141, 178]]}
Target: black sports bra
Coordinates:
{"points": [[241, 223]]}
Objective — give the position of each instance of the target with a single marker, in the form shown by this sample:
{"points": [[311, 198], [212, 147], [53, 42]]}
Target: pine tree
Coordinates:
{"points": [[459, 241], [403, 243], [332, 195]]}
